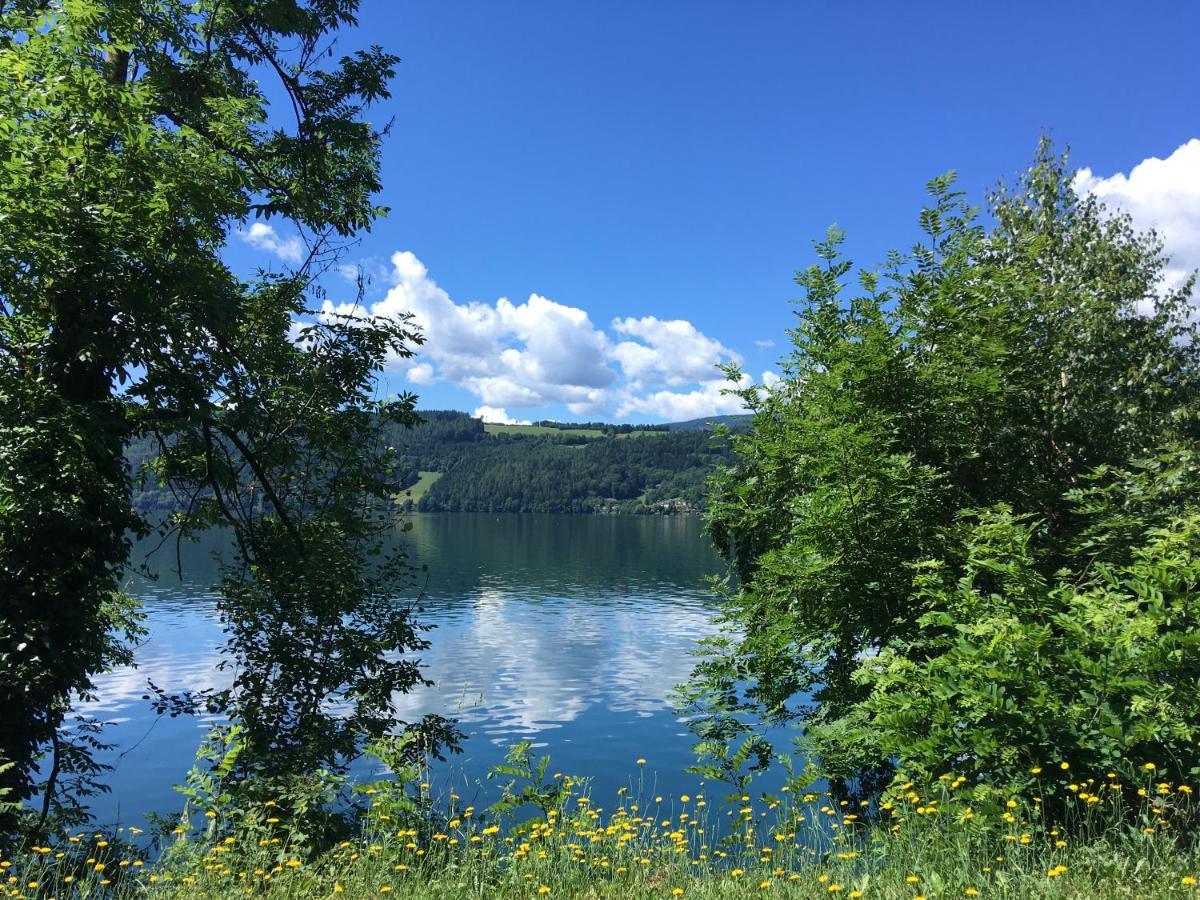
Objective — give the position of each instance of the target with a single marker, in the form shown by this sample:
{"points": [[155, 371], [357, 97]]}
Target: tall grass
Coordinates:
{"points": [[550, 837]]}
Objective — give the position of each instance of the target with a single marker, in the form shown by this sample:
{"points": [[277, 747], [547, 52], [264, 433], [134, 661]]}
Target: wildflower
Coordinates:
{"points": [[385, 889], [971, 892], [737, 873], [1036, 770], [912, 879], [1189, 880], [834, 888], [763, 885], [1064, 765], [544, 889], [640, 761], [677, 892]]}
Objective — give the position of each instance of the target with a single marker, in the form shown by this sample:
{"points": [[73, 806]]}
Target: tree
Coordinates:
{"points": [[135, 136], [997, 364]]}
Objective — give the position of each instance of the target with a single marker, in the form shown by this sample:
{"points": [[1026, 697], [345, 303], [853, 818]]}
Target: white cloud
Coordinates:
{"points": [[765, 344], [1163, 194], [421, 373], [770, 379], [545, 353], [707, 399], [493, 415], [673, 352], [262, 236]]}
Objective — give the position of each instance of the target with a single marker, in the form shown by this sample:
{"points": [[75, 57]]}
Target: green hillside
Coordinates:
{"points": [[554, 467], [452, 462]]}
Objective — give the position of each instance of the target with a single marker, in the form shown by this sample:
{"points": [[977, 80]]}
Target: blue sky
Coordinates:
{"points": [[639, 181]]}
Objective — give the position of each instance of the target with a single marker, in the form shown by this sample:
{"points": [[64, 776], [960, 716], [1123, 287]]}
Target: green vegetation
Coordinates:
{"points": [[135, 137], [930, 840], [491, 428], [414, 492], [546, 469], [964, 523], [963, 528], [524, 468]]}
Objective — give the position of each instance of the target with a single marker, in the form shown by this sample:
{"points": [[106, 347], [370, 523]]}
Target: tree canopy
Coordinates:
{"points": [[917, 478], [135, 137]]}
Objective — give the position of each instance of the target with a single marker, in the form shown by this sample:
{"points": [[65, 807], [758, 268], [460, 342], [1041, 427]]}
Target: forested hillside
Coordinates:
{"points": [[454, 463]]}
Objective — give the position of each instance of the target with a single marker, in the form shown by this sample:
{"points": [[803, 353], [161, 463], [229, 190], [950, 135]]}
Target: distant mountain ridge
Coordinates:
{"points": [[453, 462], [709, 423]]}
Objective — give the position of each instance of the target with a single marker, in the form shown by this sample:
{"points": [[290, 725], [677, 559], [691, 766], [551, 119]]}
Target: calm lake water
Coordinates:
{"points": [[570, 631]]}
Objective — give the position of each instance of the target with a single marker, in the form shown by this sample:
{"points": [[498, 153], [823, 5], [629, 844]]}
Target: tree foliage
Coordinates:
{"points": [[134, 137], [999, 363]]}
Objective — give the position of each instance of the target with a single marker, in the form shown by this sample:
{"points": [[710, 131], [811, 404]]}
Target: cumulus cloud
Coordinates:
{"points": [[671, 353], [421, 373], [708, 399], [493, 415], [1163, 194], [764, 344], [542, 352], [262, 236]]}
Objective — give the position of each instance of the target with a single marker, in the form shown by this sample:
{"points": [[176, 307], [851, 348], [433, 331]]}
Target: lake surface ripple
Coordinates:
{"points": [[570, 631]]}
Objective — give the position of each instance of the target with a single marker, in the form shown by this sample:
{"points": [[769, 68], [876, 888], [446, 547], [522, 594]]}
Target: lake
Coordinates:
{"points": [[570, 631]]}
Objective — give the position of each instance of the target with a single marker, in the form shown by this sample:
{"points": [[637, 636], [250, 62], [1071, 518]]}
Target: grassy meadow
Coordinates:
{"points": [[945, 839]]}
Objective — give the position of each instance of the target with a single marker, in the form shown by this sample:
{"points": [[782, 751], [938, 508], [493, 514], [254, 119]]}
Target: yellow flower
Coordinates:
{"points": [[386, 889], [971, 892], [1149, 767], [1036, 770], [764, 885], [544, 889], [834, 888], [1064, 766], [912, 879], [737, 873], [640, 761], [338, 889], [677, 892], [1189, 880]]}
